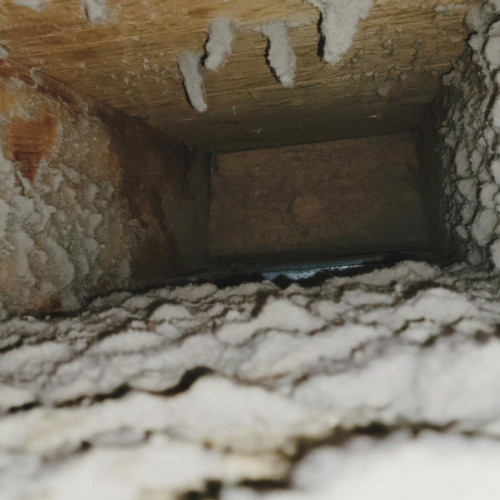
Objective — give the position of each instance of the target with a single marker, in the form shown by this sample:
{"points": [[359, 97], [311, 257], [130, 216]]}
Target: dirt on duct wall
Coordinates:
{"points": [[90, 201], [459, 144]]}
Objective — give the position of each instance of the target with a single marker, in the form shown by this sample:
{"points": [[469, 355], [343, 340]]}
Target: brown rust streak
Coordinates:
{"points": [[27, 142]]}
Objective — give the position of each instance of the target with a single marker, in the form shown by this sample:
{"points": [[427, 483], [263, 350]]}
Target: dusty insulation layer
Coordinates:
{"points": [[394, 373], [468, 162]]}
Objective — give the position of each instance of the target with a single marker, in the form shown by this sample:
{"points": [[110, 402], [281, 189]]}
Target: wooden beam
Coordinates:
{"points": [[129, 62]]}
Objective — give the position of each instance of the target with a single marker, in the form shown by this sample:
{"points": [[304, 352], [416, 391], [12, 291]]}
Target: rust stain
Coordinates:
{"points": [[45, 305], [49, 305], [6, 101], [27, 142]]}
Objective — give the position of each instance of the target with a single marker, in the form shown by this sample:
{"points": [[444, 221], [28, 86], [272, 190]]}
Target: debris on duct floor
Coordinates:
{"points": [[383, 385]]}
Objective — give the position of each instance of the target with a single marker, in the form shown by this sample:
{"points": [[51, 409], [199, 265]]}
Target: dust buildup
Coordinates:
{"points": [[280, 56], [192, 77], [339, 24], [97, 11], [469, 157], [38, 5], [221, 35], [66, 235], [253, 384]]}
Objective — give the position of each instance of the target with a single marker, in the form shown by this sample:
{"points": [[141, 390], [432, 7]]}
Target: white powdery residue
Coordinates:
{"points": [[450, 7], [280, 354], [129, 342], [408, 383], [405, 272], [478, 18], [34, 361], [430, 466], [492, 52], [163, 369], [37, 5], [467, 187], [279, 314], [438, 304], [168, 312], [4, 214], [495, 4], [66, 269], [3, 53], [339, 24], [384, 89], [137, 302], [496, 114], [488, 193], [484, 225], [467, 214], [221, 34], [468, 148], [190, 68], [97, 11], [12, 397], [254, 420], [380, 390], [358, 298], [495, 170], [455, 364], [193, 293], [495, 253], [281, 56], [462, 162], [462, 232], [390, 348], [162, 468], [245, 290]]}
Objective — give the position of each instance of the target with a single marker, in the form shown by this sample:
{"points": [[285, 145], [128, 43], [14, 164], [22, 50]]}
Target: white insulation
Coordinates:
{"points": [[191, 71], [281, 56], [97, 11], [168, 390], [339, 25], [221, 35]]}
